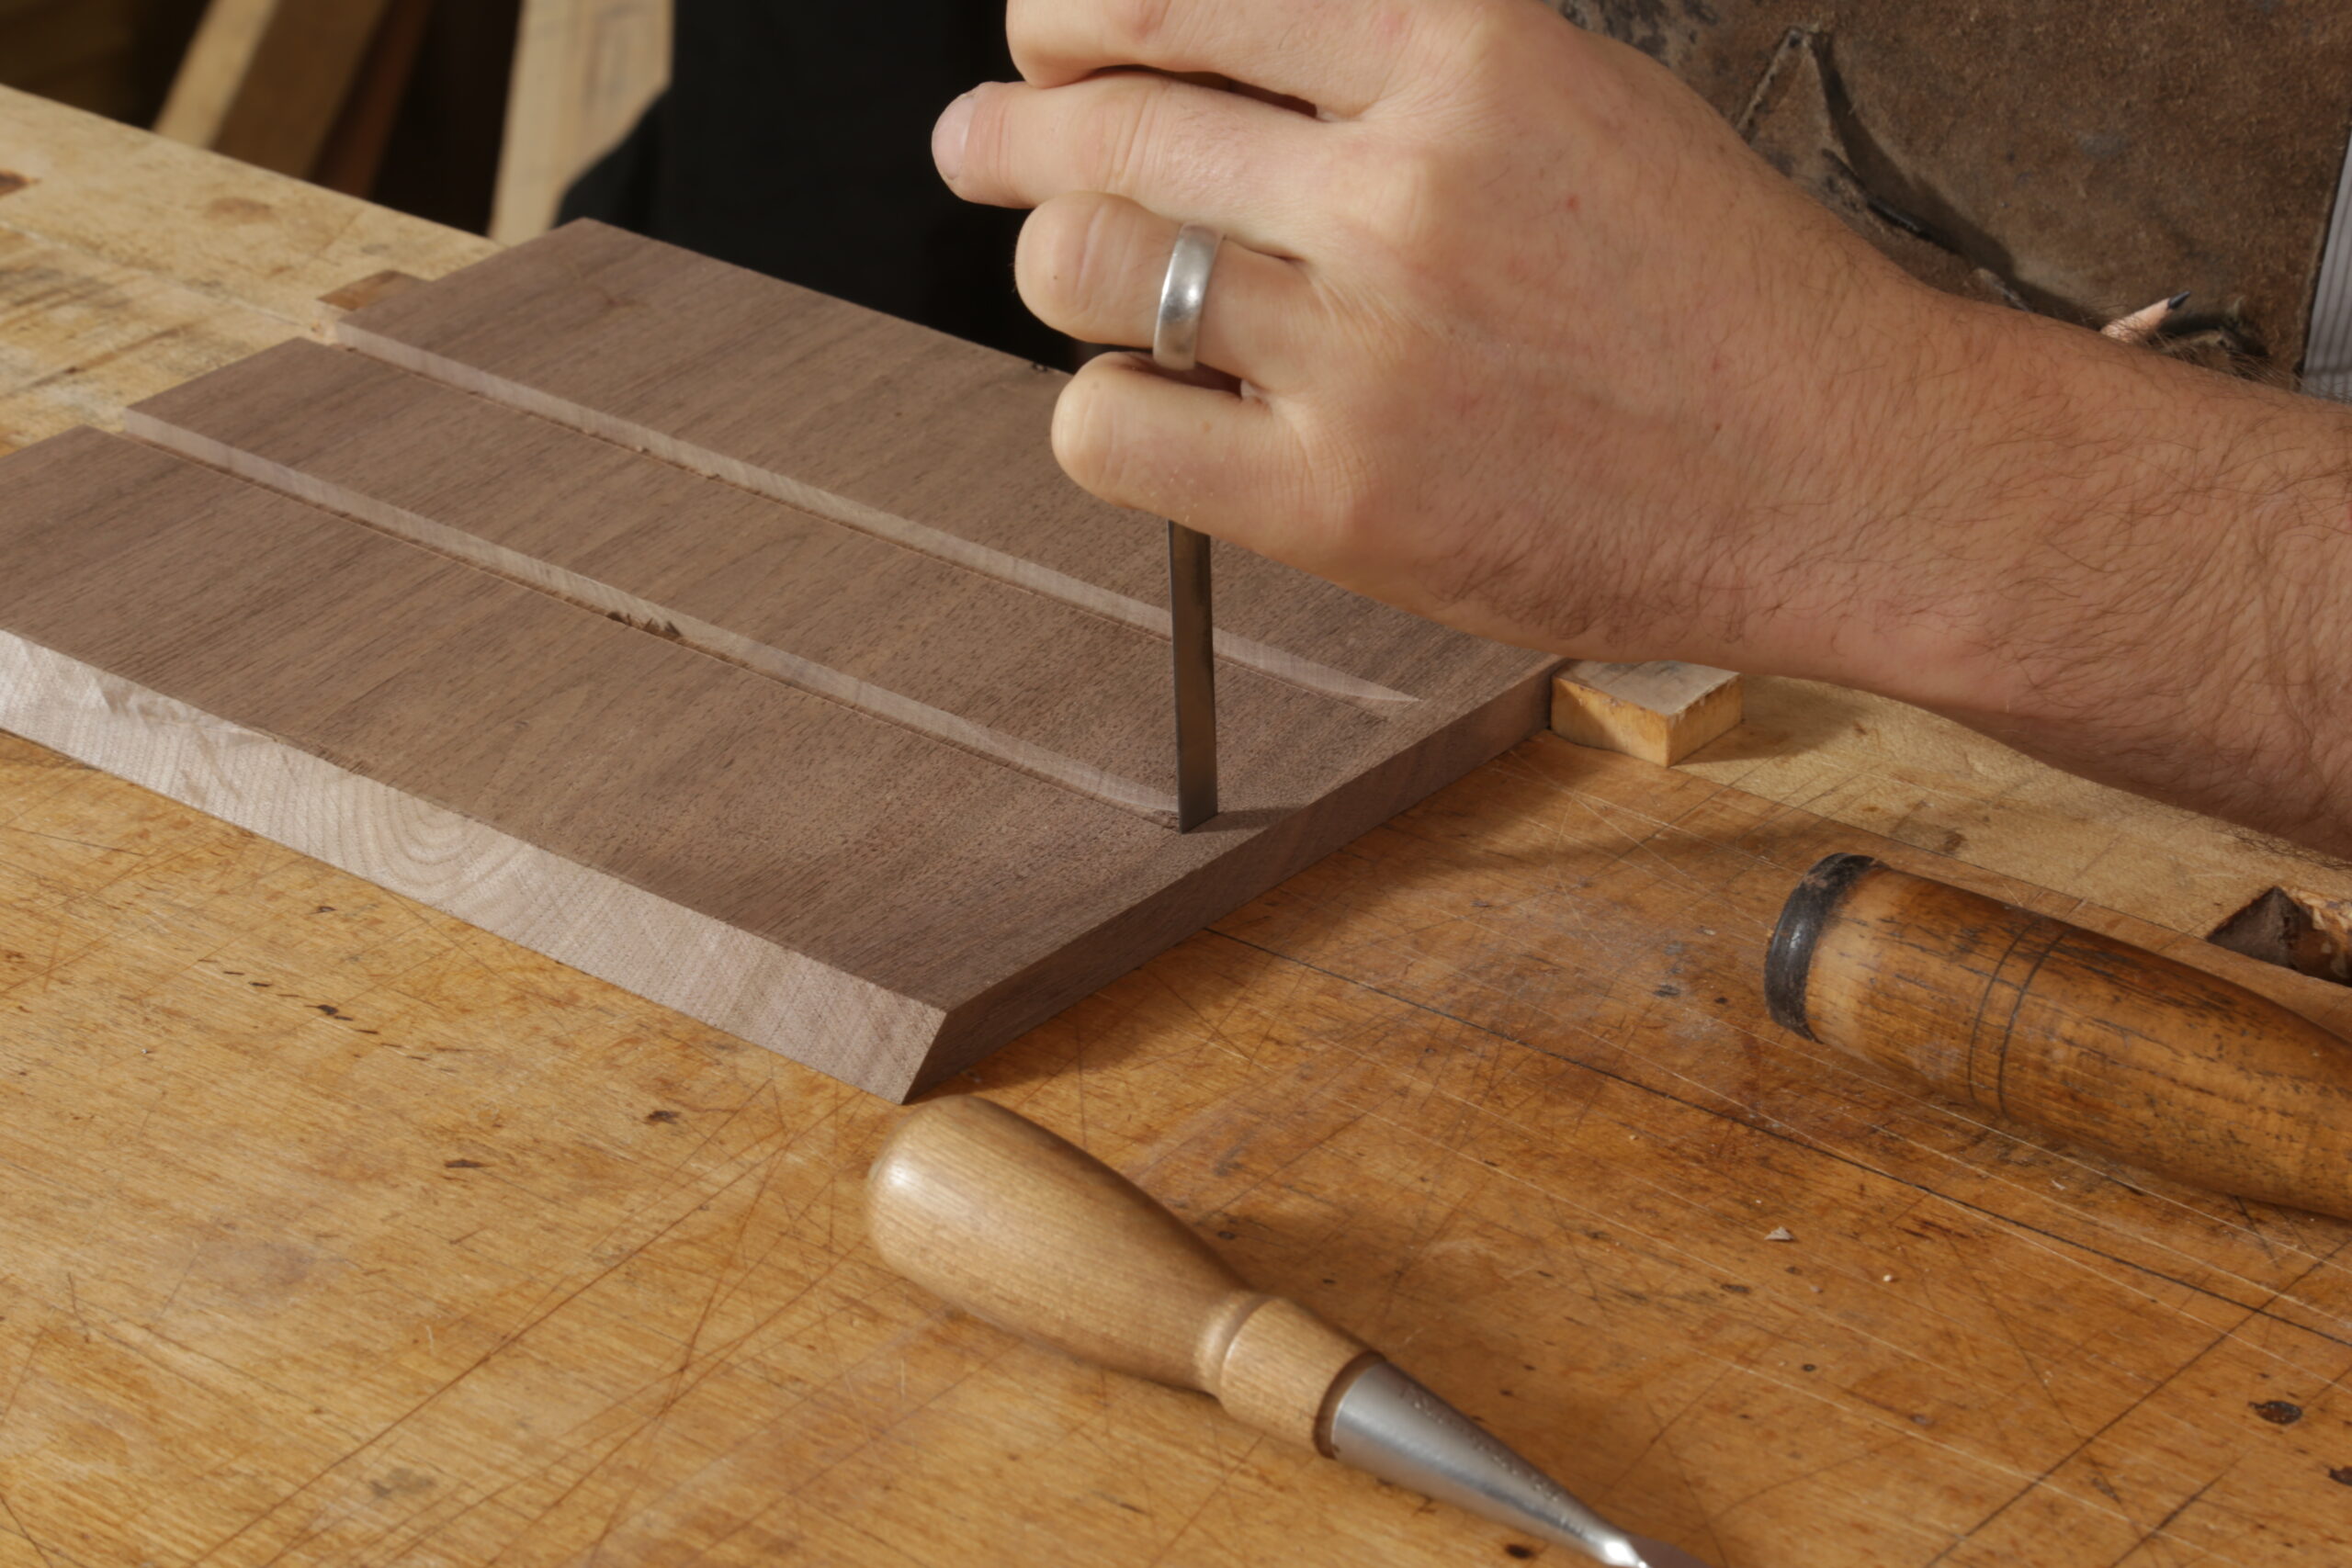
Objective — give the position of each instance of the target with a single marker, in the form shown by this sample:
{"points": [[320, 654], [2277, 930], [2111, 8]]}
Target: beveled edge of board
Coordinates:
{"points": [[862, 1035]]}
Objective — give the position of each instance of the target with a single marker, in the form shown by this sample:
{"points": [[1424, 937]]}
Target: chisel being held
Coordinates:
{"points": [[1192, 627], [1003, 1219], [2160, 1063], [1193, 638]]}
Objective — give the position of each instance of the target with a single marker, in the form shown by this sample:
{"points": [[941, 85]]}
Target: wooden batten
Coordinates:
{"points": [[265, 81], [584, 70]]}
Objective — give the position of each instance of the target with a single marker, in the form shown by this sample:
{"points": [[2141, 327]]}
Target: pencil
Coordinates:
{"points": [[2142, 324]]}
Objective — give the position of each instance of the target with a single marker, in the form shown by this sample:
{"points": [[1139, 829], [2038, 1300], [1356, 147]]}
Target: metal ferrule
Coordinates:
{"points": [[1387, 1424]]}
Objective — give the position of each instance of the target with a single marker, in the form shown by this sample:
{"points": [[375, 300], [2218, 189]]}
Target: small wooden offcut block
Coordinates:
{"points": [[1660, 711]]}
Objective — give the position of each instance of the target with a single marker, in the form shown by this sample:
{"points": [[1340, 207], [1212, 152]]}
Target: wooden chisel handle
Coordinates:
{"points": [[992, 1212], [2163, 1064]]}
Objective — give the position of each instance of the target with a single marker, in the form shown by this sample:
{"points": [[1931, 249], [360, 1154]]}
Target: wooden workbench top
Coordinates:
{"points": [[339, 1232]]}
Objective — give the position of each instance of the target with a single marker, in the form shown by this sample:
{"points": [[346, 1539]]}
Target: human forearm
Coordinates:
{"points": [[2146, 575], [1519, 335]]}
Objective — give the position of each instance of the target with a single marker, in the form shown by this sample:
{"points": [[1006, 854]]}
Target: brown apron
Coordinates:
{"points": [[2075, 157]]}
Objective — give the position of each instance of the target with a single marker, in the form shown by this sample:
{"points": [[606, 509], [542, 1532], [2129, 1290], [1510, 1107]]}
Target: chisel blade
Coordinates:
{"points": [[1193, 635]]}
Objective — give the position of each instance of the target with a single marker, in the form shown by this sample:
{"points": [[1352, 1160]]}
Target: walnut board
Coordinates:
{"points": [[860, 749]]}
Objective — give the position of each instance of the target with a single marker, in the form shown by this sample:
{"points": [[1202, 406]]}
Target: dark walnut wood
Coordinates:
{"points": [[906, 434], [2169, 1067], [770, 669], [1025, 679]]}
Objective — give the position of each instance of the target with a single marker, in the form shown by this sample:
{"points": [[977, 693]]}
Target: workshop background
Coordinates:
{"points": [[2077, 160]]}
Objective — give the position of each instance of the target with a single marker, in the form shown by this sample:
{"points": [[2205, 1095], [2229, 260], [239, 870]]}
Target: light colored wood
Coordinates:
{"points": [[2166, 1066], [1660, 712], [584, 70], [188, 222], [564, 1252], [1284, 1372], [129, 263], [1930, 783], [264, 79], [993, 1214], [213, 72], [493, 1262]]}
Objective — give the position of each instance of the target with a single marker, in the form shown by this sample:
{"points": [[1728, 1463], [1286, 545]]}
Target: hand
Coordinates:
{"points": [[1521, 336], [1526, 339]]}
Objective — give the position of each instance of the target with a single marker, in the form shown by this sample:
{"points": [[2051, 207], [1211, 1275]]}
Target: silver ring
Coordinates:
{"points": [[1176, 336]]}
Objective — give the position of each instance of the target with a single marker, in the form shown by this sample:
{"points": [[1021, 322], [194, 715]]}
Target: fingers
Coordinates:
{"points": [[1173, 147], [1209, 459], [1091, 265], [1339, 55]]}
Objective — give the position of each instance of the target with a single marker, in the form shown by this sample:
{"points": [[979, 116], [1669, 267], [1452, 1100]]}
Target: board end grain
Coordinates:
{"points": [[1660, 711]]}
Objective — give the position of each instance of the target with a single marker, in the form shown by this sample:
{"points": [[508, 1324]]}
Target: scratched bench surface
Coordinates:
{"points": [[345, 1232], [341, 1232]]}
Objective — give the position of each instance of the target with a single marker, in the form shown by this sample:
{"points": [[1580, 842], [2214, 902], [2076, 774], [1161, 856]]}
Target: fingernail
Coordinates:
{"points": [[2177, 300], [947, 136]]}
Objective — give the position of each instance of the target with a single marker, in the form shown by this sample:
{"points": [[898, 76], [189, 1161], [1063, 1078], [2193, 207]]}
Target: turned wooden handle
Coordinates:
{"points": [[2096, 1040], [997, 1215]]}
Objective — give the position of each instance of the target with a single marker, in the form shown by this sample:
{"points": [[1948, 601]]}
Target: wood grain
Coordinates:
{"points": [[998, 1216], [593, 1272], [808, 399], [147, 220], [1024, 679], [172, 601], [2164, 1065], [135, 263], [129, 263], [344, 1230], [1935, 784]]}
